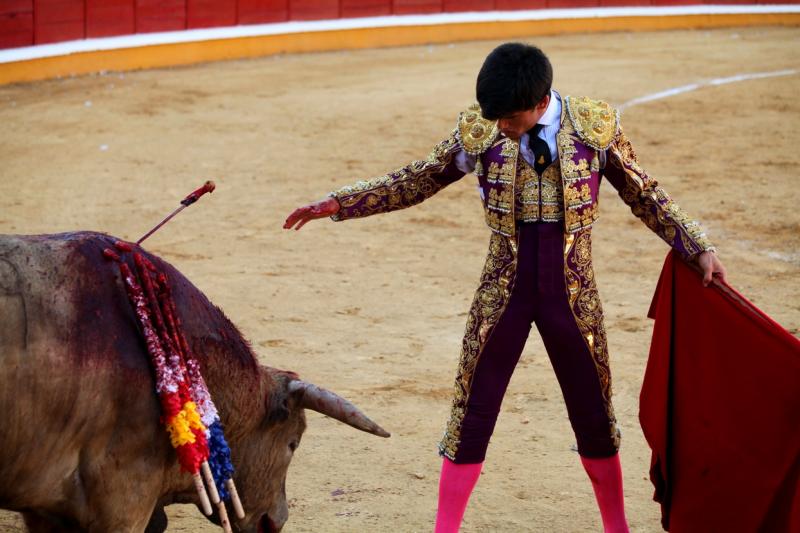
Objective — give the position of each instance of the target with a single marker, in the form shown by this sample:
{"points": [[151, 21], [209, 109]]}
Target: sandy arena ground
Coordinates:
{"points": [[375, 309]]}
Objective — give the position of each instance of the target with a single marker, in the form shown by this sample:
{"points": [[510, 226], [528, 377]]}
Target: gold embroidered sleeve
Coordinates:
{"points": [[650, 202], [402, 188]]}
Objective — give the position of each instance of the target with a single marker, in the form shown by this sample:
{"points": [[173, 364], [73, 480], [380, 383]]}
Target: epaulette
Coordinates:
{"points": [[476, 133], [595, 122]]}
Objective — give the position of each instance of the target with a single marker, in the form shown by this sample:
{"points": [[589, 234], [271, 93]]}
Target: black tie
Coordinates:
{"points": [[540, 149]]}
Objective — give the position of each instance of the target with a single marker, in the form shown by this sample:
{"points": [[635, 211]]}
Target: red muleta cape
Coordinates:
{"points": [[720, 408]]}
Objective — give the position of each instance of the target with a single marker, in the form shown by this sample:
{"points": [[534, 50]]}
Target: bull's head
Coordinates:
{"points": [[263, 458]]}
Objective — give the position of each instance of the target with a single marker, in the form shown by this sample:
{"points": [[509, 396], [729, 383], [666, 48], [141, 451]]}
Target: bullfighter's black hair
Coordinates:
{"points": [[514, 77]]}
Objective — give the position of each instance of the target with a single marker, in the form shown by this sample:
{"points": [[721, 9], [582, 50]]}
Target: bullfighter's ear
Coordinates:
{"points": [[331, 404]]}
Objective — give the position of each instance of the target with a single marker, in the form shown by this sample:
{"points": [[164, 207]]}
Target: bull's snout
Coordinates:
{"points": [[267, 525], [274, 520]]}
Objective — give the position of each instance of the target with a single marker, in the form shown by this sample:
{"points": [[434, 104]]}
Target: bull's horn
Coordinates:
{"points": [[331, 404]]}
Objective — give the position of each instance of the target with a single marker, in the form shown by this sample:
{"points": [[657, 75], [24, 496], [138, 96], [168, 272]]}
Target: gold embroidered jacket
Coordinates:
{"points": [[589, 129]]}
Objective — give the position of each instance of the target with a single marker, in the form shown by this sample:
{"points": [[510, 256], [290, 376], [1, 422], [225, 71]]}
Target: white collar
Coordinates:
{"points": [[552, 114]]}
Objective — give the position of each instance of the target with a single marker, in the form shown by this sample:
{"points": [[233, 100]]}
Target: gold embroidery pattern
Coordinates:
{"points": [[527, 185], [573, 171], [566, 149], [476, 133], [500, 199], [577, 197], [510, 151], [595, 122], [552, 213], [552, 193], [502, 223], [488, 305], [578, 218], [588, 312], [650, 203], [573, 220], [403, 188], [588, 216], [580, 211], [626, 153], [500, 174], [539, 200], [498, 220]]}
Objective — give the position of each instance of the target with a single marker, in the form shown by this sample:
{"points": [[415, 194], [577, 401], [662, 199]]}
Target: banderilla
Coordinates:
{"points": [[186, 202]]}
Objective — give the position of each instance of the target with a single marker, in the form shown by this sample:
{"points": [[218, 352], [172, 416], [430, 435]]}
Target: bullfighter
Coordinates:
{"points": [[539, 158]]}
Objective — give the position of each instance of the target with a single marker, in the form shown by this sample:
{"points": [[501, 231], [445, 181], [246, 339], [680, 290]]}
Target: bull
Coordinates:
{"points": [[81, 448]]}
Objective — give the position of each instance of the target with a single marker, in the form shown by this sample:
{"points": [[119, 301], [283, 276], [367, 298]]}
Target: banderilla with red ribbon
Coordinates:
{"points": [[186, 202], [190, 416]]}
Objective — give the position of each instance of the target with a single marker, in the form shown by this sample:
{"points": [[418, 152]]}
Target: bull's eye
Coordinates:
{"points": [[293, 445]]}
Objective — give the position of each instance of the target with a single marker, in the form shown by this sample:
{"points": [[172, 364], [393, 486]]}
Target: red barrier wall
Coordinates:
{"points": [[507, 5], [105, 18], [16, 23], [260, 11], [313, 9], [365, 8], [210, 13], [468, 5], [58, 20], [28, 22], [160, 15]]}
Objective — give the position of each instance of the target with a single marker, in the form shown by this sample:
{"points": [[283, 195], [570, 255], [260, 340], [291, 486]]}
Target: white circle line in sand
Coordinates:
{"points": [[710, 83]]}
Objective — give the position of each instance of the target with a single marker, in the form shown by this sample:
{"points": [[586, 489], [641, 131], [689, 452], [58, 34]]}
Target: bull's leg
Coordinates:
{"points": [[123, 511], [123, 515], [120, 490], [46, 523], [158, 521]]}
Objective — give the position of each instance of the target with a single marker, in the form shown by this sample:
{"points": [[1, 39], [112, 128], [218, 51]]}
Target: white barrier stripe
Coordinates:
{"points": [[259, 30], [710, 83]]}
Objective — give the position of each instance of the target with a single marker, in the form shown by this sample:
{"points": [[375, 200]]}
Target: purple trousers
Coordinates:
{"points": [[538, 297]]}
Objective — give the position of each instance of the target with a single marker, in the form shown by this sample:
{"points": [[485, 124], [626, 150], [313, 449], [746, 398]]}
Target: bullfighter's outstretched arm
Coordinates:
{"points": [[402, 188], [651, 203]]}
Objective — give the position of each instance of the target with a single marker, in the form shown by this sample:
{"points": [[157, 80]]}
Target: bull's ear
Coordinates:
{"points": [[277, 406], [278, 400], [331, 404]]}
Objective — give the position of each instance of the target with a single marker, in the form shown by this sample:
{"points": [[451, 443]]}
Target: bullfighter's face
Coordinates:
{"points": [[517, 123]]}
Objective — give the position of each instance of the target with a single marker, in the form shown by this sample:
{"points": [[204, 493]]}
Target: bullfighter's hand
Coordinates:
{"points": [[712, 266], [324, 208]]}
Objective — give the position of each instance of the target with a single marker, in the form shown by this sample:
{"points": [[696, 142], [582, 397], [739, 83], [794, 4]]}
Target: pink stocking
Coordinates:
{"points": [[606, 476], [455, 485]]}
